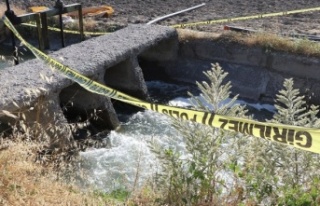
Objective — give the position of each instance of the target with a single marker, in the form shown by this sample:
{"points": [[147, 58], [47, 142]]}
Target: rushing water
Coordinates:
{"points": [[130, 162], [130, 159]]}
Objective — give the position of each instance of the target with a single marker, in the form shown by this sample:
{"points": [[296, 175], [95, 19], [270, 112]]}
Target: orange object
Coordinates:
{"points": [[96, 11], [36, 9]]}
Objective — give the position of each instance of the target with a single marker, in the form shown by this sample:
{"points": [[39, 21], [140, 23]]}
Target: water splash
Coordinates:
{"points": [[130, 161]]}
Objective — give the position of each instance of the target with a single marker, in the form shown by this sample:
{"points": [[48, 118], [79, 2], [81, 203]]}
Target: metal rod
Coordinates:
{"points": [[81, 23], [175, 13], [40, 41], [8, 5], [59, 6], [10, 14], [44, 30]]}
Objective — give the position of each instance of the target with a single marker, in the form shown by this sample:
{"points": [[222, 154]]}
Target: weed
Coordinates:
{"points": [[225, 168], [196, 177], [267, 41]]}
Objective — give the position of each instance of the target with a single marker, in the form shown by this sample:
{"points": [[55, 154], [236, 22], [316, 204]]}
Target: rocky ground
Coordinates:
{"points": [[142, 11]]}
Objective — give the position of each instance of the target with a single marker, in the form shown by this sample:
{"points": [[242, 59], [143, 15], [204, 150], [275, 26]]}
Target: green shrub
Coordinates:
{"points": [[210, 151], [273, 171], [225, 168]]}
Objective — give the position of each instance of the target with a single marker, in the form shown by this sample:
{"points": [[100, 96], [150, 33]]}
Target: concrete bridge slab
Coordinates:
{"points": [[110, 59]]}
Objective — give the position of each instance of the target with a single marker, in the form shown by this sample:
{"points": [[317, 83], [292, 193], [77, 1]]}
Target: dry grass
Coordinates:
{"points": [[24, 182], [186, 34], [145, 196], [281, 43], [271, 42]]}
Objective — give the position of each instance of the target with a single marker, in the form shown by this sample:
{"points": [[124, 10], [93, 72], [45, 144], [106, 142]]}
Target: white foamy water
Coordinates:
{"points": [[187, 102], [130, 156]]}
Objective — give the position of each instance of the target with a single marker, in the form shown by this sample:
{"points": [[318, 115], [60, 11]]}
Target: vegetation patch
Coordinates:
{"points": [[225, 168], [268, 41]]}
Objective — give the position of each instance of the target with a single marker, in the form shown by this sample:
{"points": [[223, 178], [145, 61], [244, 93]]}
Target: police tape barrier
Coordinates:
{"points": [[93, 33], [257, 16], [302, 138]]}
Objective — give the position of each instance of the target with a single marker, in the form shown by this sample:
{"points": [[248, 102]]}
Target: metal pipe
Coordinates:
{"points": [[175, 13]]}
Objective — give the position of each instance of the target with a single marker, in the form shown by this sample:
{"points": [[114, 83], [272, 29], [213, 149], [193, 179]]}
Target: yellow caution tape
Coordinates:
{"points": [[302, 138], [257, 16], [95, 33]]}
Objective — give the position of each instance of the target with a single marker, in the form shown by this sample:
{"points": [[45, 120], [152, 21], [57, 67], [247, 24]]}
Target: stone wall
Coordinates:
{"points": [[255, 73]]}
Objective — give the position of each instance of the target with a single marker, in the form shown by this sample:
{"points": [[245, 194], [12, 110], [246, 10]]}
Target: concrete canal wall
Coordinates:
{"points": [[124, 59], [255, 72]]}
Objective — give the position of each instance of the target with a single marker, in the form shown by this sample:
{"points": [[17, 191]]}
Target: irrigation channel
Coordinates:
{"points": [[129, 162]]}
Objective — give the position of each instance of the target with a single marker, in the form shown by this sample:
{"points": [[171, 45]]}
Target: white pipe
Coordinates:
{"points": [[175, 13]]}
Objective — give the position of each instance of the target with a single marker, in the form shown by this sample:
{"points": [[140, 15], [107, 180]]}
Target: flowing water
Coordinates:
{"points": [[130, 162]]}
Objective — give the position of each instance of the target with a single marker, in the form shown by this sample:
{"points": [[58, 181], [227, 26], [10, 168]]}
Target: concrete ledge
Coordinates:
{"points": [[91, 58], [110, 59]]}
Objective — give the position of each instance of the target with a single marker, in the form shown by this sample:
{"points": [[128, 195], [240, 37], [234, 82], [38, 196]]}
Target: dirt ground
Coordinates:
{"points": [[142, 11]]}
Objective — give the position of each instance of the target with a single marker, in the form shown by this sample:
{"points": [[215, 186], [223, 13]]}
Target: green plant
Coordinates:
{"points": [[280, 174], [118, 195], [258, 171], [196, 177]]}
